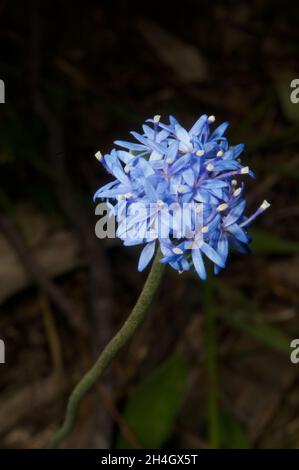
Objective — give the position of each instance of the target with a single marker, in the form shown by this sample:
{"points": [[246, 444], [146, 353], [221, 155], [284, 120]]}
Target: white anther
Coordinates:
{"points": [[127, 169], [205, 229], [157, 118], [120, 197], [200, 153], [210, 167], [177, 251], [211, 118], [222, 207], [237, 192], [128, 195], [219, 153], [160, 203], [180, 188], [98, 156], [169, 160], [234, 182], [265, 205], [245, 170]]}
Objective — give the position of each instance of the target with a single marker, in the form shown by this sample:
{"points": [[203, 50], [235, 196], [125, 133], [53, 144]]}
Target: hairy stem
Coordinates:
{"points": [[111, 350]]}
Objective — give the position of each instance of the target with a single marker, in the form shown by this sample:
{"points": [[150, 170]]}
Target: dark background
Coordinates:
{"points": [[77, 76]]}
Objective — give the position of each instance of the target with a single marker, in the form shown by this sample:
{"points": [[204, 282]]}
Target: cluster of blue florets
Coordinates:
{"points": [[167, 170]]}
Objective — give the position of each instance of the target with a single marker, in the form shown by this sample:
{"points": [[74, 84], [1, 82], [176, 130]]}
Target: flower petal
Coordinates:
{"points": [[199, 264], [146, 255]]}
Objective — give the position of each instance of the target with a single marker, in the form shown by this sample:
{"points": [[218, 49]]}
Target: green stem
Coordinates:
{"points": [[116, 344], [211, 367]]}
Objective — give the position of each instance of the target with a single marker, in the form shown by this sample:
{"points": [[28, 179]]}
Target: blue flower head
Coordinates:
{"points": [[181, 190]]}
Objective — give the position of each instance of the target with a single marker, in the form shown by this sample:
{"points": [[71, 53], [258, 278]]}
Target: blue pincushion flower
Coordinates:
{"points": [[181, 190]]}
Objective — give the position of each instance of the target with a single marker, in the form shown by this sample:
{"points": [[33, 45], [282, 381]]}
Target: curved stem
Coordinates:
{"points": [[113, 347]]}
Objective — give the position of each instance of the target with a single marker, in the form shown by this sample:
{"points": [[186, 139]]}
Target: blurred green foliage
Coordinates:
{"points": [[232, 434], [268, 244], [153, 407]]}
